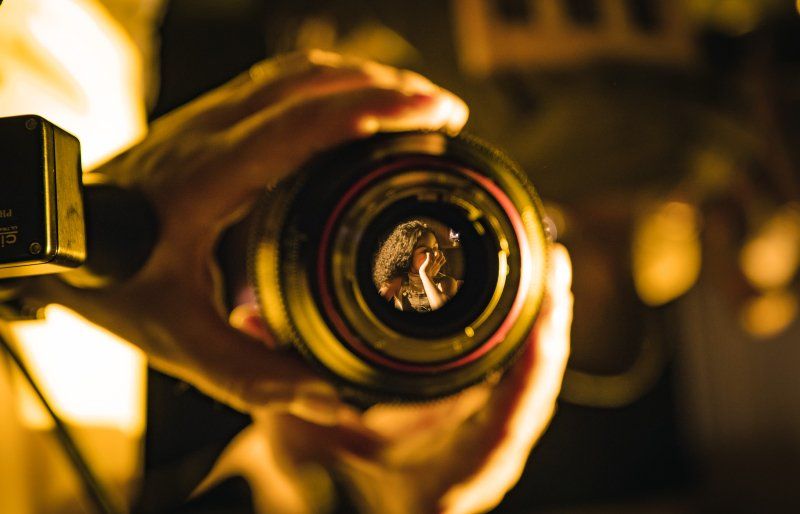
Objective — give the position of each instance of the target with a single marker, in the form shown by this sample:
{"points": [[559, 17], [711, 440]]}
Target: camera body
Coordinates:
{"points": [[55, 219], [42, 222]]}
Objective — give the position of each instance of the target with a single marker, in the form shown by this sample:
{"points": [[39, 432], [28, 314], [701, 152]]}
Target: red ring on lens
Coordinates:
{"points": [[526, 264]]}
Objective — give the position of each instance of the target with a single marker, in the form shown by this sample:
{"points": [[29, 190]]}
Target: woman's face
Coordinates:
{"points": [[426, 243]]}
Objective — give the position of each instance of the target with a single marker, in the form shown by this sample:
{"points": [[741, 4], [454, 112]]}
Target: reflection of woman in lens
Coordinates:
{"points": [[407, 269]]}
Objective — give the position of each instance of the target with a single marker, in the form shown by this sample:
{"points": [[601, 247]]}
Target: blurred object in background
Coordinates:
{"points": [[735, 17], [769, 261], [666, 251], [88, 79], [496, 36]]}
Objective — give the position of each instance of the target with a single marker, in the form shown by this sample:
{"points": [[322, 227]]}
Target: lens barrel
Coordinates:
{"points": [[314, 242]]}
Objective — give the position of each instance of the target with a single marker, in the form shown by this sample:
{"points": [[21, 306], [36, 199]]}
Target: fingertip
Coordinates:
{"points": [[450, 113], [457, 118], [560, 269], [440, 110], [246, 318]]}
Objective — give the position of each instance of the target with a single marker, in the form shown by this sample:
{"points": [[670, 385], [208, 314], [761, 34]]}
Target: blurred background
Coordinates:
{"points": [[664, 137]]}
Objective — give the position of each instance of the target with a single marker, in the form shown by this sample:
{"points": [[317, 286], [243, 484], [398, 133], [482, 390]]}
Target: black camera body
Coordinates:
{"points": [[42, 222], [55, 219]]}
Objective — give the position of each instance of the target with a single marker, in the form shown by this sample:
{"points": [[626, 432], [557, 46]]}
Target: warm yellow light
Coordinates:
{"points": [[770, 259], [770, 314], [666, 252], [736, 17], [71, 63], [90, 376]]}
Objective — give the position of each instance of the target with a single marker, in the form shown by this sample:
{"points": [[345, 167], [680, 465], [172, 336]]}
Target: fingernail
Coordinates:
{"points": [[561, 268], [445, 109], [456, 114]]}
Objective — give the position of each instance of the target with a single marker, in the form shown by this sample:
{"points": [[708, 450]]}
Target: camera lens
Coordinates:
{"points": [[406, 267]]}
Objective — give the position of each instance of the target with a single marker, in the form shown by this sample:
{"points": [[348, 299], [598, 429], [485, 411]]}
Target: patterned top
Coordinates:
{"points": [[411, 295]]}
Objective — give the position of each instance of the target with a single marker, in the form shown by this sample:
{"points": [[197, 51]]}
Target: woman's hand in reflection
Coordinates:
{"points": [[203, 166], [459, 455], [427, 271], [433, 264]]}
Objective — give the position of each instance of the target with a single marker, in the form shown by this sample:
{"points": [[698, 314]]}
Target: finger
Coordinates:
{"points": [[405, 421], [320, 408], [200, 348], [407, 433], [526, 399], [292, 77], [231, 366], [247, 319], [528, 395], [212, 104], [310, 125], [316, 74], [267, 146], [245, 374]]}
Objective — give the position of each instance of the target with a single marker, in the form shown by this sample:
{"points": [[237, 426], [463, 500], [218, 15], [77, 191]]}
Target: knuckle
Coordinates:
{"points": [[301, 61], [380, 74], [366, 73]]}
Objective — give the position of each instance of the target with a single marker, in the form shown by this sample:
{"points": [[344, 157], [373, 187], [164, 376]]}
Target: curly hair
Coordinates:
{"points": [[393, 258]]}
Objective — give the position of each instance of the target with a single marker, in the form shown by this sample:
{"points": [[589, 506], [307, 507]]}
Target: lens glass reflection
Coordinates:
{"points": [[418, 265]]}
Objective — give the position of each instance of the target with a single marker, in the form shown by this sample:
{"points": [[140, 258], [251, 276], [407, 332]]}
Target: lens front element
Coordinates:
{"points": [[407, 267]]}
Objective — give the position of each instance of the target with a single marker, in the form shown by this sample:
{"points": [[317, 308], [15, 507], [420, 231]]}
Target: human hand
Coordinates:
{"points": [[202, 167], [459, 455], [433, 263]]}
